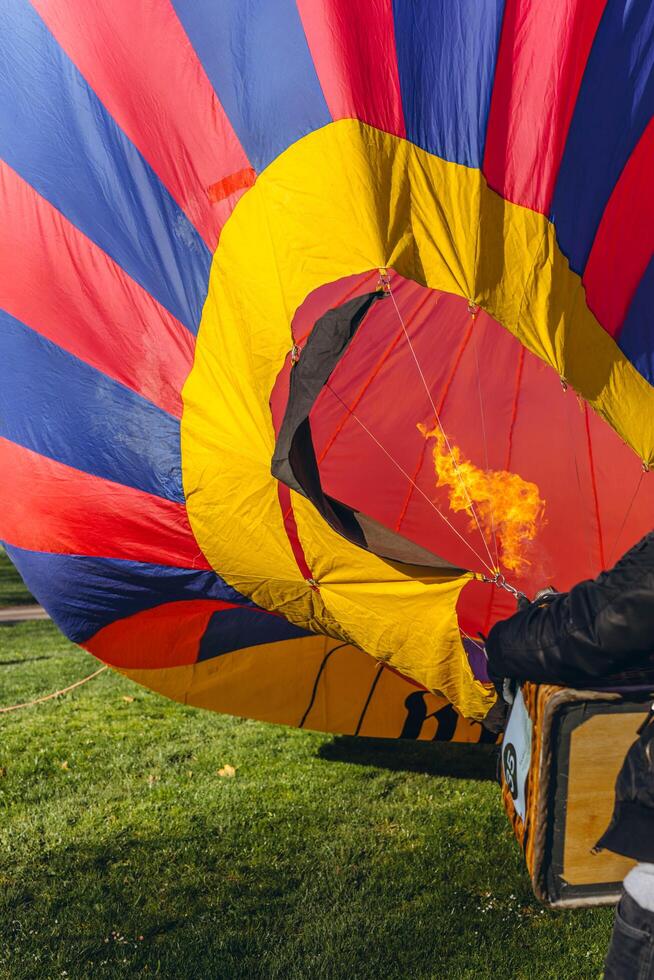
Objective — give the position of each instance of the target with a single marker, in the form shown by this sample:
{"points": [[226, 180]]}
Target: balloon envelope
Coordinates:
{"points": [[187, 190]]}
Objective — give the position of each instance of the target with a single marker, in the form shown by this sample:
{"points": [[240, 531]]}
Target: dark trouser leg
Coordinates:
{"points": [[631, 953]]}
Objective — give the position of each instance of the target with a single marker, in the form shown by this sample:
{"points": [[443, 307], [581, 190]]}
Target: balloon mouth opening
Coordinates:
{"points": [[389, 431]]}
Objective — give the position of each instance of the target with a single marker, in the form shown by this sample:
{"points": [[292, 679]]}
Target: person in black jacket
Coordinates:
{"points": [[602, 630]]}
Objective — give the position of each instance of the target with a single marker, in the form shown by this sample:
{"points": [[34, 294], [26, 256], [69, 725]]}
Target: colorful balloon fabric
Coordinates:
{"points": [[320, 325]]}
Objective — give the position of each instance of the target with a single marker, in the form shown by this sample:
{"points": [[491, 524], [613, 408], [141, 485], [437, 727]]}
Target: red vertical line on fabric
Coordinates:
{"points": [[290, 524], [156, 90], [409, 494], [441, 404], [514, 407], [593, 481], [617, 261], [389, 350], [92, 308], [387, 353]]}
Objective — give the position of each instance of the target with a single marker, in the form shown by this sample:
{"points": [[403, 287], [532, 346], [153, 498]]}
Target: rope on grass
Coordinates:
{"points": [[55, 694]]}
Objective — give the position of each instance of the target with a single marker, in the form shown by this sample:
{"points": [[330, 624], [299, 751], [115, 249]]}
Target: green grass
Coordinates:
{"points": [[123, 853], [13, 591]]}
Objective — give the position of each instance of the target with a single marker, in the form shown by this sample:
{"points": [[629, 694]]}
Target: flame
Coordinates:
{"points": [[506, 505]]}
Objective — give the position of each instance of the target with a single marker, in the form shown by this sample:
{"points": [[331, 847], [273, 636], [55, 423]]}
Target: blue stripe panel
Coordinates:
{"points": [[61, 407], [257, 59], [446, 54], [637, 336], [235, 629], [84, 594], [57, 135], [615, 103]]}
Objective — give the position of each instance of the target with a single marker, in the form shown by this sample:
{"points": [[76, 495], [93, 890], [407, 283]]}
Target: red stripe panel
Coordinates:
{"points": [[542, 56], [139, 61], [86, 303], [624, 242], [167, 636], [353, 50], [290, 524], [47, 506], [61, 284]]}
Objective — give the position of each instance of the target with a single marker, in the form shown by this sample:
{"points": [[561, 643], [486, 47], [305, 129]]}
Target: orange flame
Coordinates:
{"points": [[504, 503]]}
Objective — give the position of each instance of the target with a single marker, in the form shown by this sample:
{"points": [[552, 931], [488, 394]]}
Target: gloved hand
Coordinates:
{"points": [[542, 598], [510, 640], [506, 686]]}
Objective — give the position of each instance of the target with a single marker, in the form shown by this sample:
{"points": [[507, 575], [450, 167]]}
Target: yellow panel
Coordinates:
{"points": [[314, 682], [408, 622]]}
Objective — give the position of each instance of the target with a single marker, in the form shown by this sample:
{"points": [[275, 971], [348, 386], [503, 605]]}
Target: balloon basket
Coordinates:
{"points": [[561, 754]]}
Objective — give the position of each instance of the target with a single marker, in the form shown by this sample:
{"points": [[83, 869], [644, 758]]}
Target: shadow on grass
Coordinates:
{"points": [[21, 661], [198, 905], [458, 761], [13, 591]]}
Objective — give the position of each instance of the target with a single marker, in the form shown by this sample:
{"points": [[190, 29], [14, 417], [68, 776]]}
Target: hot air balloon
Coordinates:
{"points": [[325, 330]]}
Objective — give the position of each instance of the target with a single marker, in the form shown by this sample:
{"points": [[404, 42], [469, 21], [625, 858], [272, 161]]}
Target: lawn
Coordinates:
{"points": [[12, 590], [124, 852]]}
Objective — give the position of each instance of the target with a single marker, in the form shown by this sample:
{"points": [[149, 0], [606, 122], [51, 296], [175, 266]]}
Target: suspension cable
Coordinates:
{"points": [[473, 312], [626, 517], [474, 642], [404, 473], [386, 283]]}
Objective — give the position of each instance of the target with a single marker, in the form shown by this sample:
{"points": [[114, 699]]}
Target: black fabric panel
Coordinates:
{"points": [[326, 345], [382, 541], [304, 468], [294, 462]]}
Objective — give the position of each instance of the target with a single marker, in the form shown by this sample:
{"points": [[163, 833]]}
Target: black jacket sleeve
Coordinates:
{"points": [[602, 627]]}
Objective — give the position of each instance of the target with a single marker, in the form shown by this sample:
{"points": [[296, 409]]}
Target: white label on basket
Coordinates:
{"points": [[516, 752]]}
